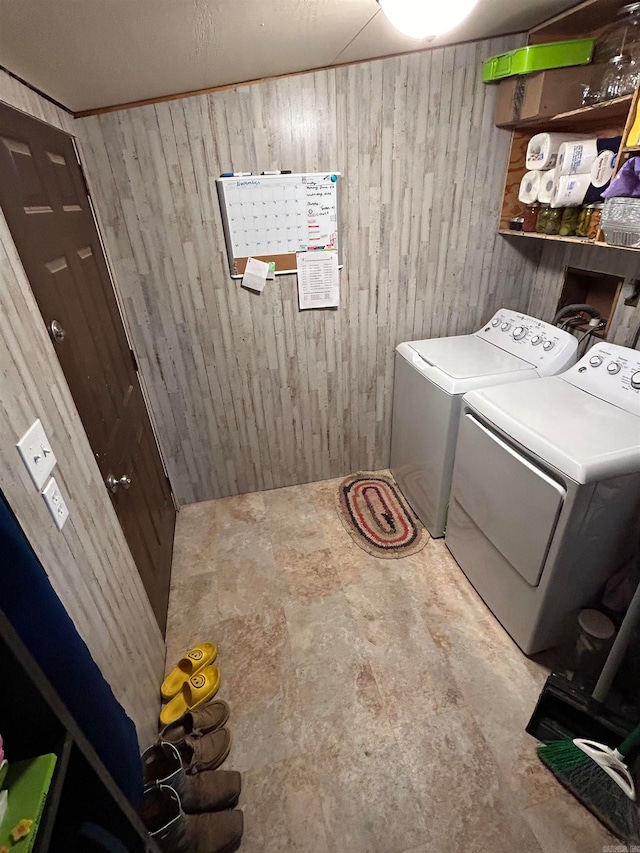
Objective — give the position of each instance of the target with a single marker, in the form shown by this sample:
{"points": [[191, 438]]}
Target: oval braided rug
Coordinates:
{"points": [[377, 516]]}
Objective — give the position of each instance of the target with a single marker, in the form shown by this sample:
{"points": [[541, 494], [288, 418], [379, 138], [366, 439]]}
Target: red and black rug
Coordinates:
{"points": [[377, 516]]}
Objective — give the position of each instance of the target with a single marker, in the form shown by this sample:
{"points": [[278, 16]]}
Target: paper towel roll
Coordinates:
{"points": [[570, 190], [603, 168], [542, 150], [547, 184], [529, 187], [577, 157], [601, 174]]}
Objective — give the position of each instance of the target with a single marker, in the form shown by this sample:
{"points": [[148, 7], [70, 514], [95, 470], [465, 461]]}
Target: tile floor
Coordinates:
{"points": [[377, 706]]}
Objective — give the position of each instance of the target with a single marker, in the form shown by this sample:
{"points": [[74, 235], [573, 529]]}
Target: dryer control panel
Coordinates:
{"points": [[549, 349], [611, 373]]}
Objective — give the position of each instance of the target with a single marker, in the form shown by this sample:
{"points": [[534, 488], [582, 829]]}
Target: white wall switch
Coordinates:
{"points": [[37, 454], [56, 503]]}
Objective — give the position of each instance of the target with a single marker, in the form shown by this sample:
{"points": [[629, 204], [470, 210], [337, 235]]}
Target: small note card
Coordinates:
{"points": [[255, 275], [318, 279]]}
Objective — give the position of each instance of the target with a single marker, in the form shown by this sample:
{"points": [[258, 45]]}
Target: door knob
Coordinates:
{"points": [[56, 331], [113, 483]]}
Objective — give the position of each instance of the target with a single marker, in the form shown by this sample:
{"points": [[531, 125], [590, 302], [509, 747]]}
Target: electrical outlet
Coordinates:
{"points": [[37, 455], [56, 503]]}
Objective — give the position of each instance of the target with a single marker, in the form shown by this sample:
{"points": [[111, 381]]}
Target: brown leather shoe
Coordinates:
{"points": [[205, 753], [211, 791], [196, 723], [220, 832]]}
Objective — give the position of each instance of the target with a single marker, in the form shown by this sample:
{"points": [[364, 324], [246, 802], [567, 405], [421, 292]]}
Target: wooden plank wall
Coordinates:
{"points": [[549, 278], [249, 393], [88, 563]]}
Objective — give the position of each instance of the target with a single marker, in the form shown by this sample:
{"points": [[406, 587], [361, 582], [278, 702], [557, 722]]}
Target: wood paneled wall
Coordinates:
{"points": [[549, 278], [88, 563], [248, 392]]}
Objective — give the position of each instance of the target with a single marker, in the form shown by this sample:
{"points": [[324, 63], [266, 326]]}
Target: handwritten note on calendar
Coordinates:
{"points": [[318, 280]]}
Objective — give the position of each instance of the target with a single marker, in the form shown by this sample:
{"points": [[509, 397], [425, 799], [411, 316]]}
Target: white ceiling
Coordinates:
{"points": [[95, 53]]}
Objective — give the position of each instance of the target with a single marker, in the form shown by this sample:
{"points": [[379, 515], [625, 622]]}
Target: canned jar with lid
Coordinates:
{"points": [[530, 217], [622, 36], [543, 215], [582, 229], [594, 222], [554, 218], [569, 221]]}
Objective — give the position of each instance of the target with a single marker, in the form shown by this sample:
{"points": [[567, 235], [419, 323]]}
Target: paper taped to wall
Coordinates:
{"points": [[255, 275], [317, 279]]}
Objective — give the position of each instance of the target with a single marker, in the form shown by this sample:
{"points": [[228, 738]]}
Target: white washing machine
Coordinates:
{"points": [[545, 499], [430, 378]]}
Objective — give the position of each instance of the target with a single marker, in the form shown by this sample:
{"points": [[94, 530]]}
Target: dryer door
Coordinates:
{"points": [[513, 503]]}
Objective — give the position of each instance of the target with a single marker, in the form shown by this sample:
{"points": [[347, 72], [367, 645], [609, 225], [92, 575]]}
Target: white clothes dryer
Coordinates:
{"points": [[545, 499], [431, 377]]}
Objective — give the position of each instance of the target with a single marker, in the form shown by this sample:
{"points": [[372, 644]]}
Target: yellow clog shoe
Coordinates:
{"points": [[195, 692], [195, 660]]}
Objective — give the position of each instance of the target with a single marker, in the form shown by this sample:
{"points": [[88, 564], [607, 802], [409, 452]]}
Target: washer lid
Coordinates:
{"points": [[468, 356], [578, 434]]}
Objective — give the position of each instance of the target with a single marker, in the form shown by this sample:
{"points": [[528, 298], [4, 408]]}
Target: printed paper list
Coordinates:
{"points": [[318, 279]]}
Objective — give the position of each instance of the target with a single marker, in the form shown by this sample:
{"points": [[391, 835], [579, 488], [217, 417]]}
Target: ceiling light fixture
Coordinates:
{"points": [[420, 19]]}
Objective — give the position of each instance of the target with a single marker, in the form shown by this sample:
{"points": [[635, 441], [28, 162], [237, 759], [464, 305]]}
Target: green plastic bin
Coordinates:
{"points": [[537, 57]]}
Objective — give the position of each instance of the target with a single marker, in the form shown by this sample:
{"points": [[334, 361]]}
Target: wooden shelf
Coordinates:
{"points": [[583, 117], [585, 241], [607, 119]]}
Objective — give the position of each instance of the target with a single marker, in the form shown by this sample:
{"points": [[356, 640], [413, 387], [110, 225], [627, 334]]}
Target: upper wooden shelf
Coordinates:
{"points": [[584, 117], [584, 19]]}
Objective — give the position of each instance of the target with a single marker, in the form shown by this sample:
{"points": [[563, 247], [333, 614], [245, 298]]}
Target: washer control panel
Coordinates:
{"points": [[611, 373], [549, 349]]}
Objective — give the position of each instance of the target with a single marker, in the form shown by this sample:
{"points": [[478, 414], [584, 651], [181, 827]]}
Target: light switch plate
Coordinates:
{"points": [[56, 503], [37, 455]]}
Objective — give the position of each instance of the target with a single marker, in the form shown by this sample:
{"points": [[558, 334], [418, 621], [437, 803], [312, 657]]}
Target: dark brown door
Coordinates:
{"points": [[44, 198]]}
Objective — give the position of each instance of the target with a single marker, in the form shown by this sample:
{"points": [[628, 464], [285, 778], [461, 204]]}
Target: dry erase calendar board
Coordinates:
{"points": [[271, 217]]}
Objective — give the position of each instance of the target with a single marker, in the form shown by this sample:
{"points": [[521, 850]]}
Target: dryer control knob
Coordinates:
{"points": [[613, 367], [519, 332], [495, 321], [596, 360], [548, 345], [536, 340], [635, 380], [505, 327]]}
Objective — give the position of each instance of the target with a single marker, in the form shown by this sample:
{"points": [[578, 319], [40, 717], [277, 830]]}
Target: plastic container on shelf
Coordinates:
{"points": [[621, 222], [537, 57]]}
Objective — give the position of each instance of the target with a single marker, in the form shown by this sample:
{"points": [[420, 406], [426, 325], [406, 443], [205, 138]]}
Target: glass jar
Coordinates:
{"points": [[594, 222], [553, 220], [569, 221], [615, 81], [582, 229], [530, 217], [543, 215], [620, 36]]}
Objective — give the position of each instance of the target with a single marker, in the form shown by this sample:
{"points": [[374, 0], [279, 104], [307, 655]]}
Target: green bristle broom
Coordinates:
{"points": [[599, 777], [595, 774]]}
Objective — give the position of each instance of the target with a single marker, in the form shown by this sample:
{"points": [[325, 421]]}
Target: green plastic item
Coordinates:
{"points": [[537, 57], [27, 783]]}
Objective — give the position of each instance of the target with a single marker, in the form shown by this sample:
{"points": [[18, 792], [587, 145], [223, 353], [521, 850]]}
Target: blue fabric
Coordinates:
{"points": [[37, 614]]}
